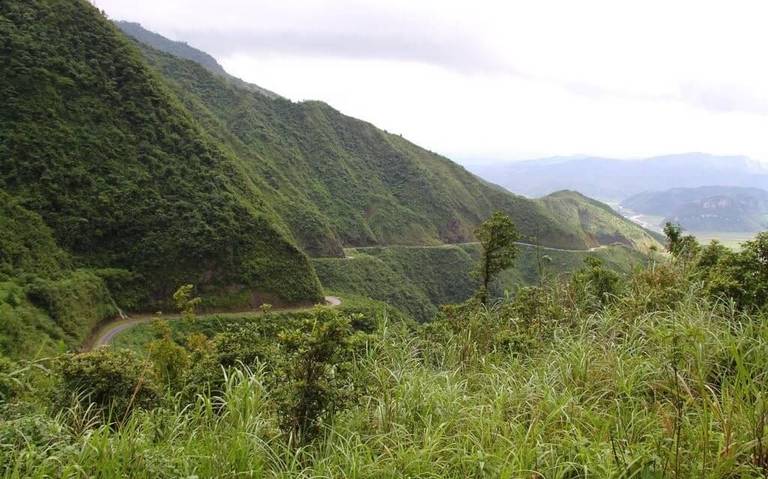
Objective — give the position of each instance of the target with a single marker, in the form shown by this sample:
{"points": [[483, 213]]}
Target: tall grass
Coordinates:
{"points": [[626, 392]]}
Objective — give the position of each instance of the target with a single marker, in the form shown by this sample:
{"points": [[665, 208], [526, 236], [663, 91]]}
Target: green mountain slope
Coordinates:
{"points": [[338, 181], [26, 243], [46, 305], [124, 176], [419, 279], [597, 222]]}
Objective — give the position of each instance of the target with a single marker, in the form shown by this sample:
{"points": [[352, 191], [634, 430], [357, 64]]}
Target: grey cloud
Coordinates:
{"points": [[457, 53]]}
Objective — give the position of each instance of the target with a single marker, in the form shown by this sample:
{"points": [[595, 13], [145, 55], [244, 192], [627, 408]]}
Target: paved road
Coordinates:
{"points": [[519, 243], [108, 331]]}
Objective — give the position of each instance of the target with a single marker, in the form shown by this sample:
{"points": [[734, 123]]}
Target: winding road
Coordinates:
{"points": [[106, 332], [519, 243]]}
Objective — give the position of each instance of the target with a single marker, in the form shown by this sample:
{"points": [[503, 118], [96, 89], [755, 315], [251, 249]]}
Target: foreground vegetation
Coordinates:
{"points": [[658, 374]]}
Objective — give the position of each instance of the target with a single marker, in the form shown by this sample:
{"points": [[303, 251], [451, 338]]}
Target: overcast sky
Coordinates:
{"points": [[502, 80]]}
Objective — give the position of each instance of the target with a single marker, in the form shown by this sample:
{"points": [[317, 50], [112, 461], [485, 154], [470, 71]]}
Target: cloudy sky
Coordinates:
{"points": [[502, 80]]}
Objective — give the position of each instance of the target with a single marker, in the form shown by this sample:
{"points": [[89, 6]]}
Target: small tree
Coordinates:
{"points": [[185, 303], [317, 380], [497, 236], [681, 246], [170, 360]]}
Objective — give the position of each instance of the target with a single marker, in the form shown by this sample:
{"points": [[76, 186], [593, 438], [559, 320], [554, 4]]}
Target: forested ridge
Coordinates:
{"points": [[338, 181], [120, 171]]}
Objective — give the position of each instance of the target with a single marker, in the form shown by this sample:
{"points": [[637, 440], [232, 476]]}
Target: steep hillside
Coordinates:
{"points": [[338, 181], [26, 243], [92, 141], [708, 208], [46, 306], [615, 180], [371, 277], [418, 280], [598, 222]]}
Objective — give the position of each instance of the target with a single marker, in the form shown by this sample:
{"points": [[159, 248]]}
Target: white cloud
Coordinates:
{"points": [[502, 79]]}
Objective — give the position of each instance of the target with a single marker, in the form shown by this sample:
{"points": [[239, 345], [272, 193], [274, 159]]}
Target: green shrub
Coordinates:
{"points": [[595, 285], [10, 383], [171, 361], [317, 380], [115, 382]]}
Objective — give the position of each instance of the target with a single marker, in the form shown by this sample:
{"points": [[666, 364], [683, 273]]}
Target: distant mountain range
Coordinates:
{"points": [[707, 208], [615, 180]]}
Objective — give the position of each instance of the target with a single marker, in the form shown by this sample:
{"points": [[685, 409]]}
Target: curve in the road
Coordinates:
{"points": [[108, 331], [448, 245]]}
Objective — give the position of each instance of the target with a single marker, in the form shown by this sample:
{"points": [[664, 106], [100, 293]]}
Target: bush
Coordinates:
{"points": [[9, 382], [116, 382], [170, 360], [595, 285], [317, 374]]}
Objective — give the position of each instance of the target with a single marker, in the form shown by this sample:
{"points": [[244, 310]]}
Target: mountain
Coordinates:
{"points": [[417, 280], [598, 223], [614, 180], [337, 181], [707, 208], [45, 302], [93, 142], [132, 171]]}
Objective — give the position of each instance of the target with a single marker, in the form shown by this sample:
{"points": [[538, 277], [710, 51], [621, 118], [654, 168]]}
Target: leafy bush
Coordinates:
{"points": [[594, 285], [317, 380], [171, 361], [116, 382]]}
